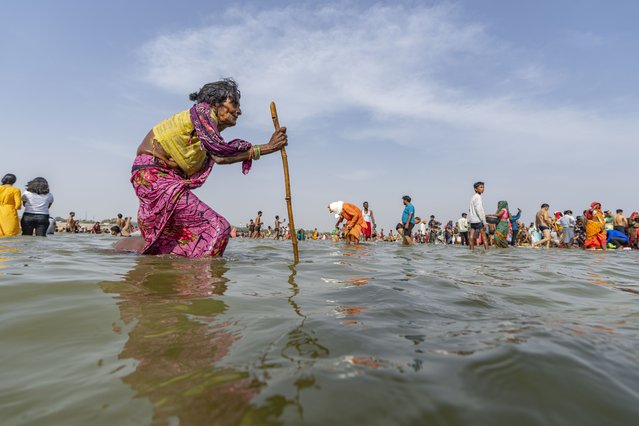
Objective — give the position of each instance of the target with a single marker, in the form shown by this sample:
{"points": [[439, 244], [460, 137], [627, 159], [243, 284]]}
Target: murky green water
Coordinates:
{"points": [[378, 335]]}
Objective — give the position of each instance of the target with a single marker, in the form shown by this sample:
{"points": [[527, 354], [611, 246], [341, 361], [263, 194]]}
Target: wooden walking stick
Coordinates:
{"points": [[287, 182]]}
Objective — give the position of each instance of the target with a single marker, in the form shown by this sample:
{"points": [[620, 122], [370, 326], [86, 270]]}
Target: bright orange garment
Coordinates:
{"points": [[10, 203], [353, 215]]}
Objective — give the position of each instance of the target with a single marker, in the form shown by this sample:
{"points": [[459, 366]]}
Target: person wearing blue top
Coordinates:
{"points": [[616, 239], [408, 220], [514, 227]]}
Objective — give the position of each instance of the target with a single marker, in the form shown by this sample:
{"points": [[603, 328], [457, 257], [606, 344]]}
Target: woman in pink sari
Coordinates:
{"points": [[176, 156]]}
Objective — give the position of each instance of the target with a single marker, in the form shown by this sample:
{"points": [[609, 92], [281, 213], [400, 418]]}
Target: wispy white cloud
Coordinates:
{"points": [[404, 67]]}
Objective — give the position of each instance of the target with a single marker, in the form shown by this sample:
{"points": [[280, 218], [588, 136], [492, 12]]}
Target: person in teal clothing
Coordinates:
{"points": [[408, 220]]}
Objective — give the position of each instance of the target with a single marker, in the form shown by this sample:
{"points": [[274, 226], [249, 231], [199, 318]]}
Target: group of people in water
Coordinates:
{"points": [[179, 153], [594, 229], [36, 199]]}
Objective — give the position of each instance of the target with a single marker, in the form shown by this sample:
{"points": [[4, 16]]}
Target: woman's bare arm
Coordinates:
{"points": [[277, 141]]}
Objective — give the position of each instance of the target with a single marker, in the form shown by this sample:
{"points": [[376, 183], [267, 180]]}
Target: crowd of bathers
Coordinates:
{"points": [[594, 228]]}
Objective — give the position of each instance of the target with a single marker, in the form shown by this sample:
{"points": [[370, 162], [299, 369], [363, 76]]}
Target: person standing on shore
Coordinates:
{"points": [[462, 227], [369, 218], [543, 222], [408, 220], [477, 217], [10, 203]]}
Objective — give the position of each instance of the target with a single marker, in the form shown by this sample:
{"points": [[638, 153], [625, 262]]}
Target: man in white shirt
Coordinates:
{"points": [[462, 227], [477, 216]]}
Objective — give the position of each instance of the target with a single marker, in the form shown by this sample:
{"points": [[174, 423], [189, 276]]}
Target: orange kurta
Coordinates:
{"points": [[353, 215], [10, 203]]}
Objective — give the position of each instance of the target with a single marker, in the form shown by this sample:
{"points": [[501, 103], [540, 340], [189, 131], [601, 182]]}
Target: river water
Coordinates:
{"points": [[376, 335]]}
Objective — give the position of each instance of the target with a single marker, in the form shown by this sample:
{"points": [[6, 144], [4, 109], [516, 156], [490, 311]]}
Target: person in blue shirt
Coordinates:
{"points": [[616, 239], [514, 227], [408, 220]]}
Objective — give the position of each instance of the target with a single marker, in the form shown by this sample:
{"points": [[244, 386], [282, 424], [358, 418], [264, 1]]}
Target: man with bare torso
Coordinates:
{"points": [[543, 221], [258, 226], [619, 222], [277, 228]]}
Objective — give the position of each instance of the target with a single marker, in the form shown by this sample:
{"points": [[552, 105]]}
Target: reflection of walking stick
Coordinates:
{"points": [[287, 182]]}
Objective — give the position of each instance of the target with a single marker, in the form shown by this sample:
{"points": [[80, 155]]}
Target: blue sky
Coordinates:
{"points": [[538, 99]]}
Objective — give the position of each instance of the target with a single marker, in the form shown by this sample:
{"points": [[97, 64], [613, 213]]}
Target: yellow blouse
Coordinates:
{"points": [[174, 136]]}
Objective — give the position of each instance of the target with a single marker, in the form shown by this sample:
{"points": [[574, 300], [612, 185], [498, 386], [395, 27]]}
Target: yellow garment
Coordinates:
{"points": [[593, 227], [10, 203], [174, 136]]}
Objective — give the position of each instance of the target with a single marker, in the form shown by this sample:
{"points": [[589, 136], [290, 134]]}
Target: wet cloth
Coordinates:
{"points": [[171, 218], [10, 203]]}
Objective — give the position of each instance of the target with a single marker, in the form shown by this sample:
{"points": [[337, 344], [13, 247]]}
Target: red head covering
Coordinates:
{"points": [[594, 203], [558, 214]]}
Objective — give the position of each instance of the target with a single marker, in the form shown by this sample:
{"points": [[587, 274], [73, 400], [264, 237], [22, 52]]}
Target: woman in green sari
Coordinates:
{"points": [[501, 232]]}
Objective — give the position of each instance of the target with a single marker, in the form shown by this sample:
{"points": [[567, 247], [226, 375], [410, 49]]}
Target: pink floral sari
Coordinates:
{"points": [[171, 218]]}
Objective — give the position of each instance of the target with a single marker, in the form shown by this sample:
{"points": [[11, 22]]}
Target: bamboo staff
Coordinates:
{"points": [[287, 182]]}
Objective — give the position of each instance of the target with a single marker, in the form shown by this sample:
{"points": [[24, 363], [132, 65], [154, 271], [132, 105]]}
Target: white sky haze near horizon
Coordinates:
{"points": [[380, 99]]}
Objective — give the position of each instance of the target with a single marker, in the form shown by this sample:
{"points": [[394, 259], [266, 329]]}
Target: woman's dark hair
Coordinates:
{"points": [[38, 185], [9, 179], [218, 92]]}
